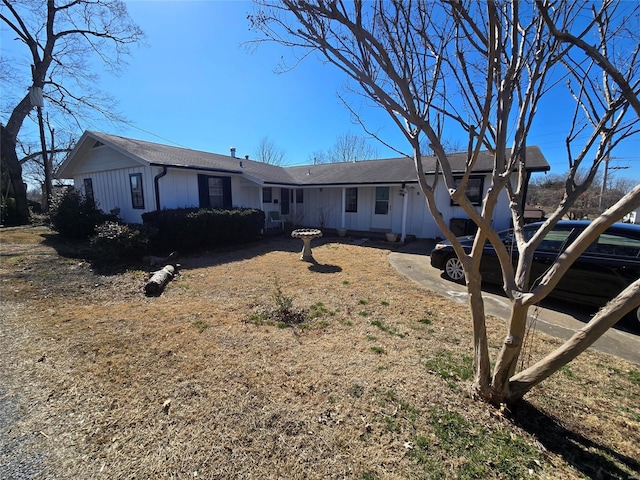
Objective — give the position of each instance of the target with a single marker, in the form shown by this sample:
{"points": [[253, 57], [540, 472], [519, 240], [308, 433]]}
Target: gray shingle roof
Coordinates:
{"points": [[158, 154], [394, 170]]}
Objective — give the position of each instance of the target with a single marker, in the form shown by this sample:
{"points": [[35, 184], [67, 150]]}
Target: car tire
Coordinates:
{"points": [[453, 269]]}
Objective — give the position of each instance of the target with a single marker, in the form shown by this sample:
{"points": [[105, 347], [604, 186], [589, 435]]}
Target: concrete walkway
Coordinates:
{"points": [[412, 260]]}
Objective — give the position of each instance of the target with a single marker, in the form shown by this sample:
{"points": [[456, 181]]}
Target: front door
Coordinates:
{"points": [[381, 219]]}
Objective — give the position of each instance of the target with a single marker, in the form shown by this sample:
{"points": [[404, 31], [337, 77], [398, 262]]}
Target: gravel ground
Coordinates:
{"points": [[18, 459]]}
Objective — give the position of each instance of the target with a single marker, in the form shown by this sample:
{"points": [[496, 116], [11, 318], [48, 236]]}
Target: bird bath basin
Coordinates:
{"points": [[306, 235]]}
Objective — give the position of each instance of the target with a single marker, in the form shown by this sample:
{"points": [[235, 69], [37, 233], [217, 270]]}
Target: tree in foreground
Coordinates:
{"points": [[486, 69], [60, 38]]}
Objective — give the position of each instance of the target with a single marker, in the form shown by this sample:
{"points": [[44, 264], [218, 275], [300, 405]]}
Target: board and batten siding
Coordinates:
{"points": [[179, 189], [112, 190], [502, 218]]}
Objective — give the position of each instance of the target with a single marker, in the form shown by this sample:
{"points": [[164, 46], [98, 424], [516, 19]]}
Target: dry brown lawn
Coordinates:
{"points": [[99, 381]]}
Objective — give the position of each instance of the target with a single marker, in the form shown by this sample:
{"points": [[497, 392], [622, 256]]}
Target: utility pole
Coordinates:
{"points": [[604, 182], [603, 187], [37, 100]]}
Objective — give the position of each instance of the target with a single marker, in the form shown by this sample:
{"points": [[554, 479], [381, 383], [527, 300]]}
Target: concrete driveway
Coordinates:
{"points": [[554, 318]]}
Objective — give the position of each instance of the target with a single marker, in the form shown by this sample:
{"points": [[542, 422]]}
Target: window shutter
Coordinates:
{"points": [[226, 193], [203, 191]]}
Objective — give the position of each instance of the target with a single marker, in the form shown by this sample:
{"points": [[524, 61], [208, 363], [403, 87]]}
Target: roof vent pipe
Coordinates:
{"points": [[241, 166], [246, 157], [233, 152]]}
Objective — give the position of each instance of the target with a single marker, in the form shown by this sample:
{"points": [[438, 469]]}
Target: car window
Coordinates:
{"points": [[615, 244], [555, 240], [508, 237]]}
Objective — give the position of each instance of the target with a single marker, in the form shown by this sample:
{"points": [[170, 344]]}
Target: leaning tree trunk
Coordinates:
{"points": [[17, 188], [606, 318]]}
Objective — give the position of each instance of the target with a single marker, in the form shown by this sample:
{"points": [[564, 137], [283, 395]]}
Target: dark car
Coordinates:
{"points": [[607, 267]]}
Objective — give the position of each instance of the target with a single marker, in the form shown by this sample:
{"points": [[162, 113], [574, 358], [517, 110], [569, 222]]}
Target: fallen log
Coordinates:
{"points": [[159, 279]]}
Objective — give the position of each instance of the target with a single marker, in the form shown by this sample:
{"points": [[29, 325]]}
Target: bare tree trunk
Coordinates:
{"points": [[481, 364], [607, 317], [11, 165], [508, 357]]}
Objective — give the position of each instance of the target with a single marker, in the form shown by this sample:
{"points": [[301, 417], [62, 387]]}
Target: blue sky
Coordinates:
{"points": [[196, 86]]}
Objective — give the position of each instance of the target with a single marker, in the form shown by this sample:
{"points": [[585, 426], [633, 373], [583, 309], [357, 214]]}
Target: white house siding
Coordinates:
{"points": [[430, 230], [104, 159], [419, 221], [360, 220], [111, 190], [244, 195], [110, 170], [179, 189], [632, 217], [249, 195], [321, 203]]}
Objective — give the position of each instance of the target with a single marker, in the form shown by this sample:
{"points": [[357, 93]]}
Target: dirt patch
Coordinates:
{"points": [[99, 381]]}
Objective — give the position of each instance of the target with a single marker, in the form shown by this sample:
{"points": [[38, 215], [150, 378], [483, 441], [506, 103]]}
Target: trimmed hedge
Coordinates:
{"points": [[191, 228]]}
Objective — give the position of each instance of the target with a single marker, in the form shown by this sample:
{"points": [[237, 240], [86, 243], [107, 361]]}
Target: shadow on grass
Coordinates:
{"points": [[319, 268], [588, 457], [82, 250]]}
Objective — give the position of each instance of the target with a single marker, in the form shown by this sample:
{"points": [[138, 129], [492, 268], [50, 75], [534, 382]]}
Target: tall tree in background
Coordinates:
{"points": [[268, 152], [34, 170], [60, 38], [547, 192], [351, 148], [486, 69], [348, 147]]}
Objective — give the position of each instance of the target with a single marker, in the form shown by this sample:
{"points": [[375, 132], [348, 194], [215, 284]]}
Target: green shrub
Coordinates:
{"points": [[116, 241], [190, 228], [74, 216]]}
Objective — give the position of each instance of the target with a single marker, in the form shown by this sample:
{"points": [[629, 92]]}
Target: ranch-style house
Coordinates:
{"points": [[136, 176]]}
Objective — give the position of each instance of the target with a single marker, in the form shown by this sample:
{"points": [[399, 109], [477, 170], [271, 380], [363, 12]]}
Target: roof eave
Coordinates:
{"points": [[193, 167]]}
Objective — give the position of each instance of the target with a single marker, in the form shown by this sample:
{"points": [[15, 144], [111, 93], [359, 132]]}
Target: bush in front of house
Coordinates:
{"points": [[190, 228], [74, 216], [114, 241]]}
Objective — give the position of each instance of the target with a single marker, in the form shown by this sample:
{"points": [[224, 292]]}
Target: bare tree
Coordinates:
{"points": [[547, 192], [486, 68], [38, 168], [317, 157], [348, 147], [351, 148], [60, 37], [268, 152]]}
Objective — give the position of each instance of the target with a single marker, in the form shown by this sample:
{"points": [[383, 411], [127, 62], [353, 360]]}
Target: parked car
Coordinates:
{"points": [[607, 267]]}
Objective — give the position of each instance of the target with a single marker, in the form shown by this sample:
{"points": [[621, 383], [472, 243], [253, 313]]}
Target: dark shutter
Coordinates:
{"points": [[284, 201], [227, 202], [203, 191]]}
